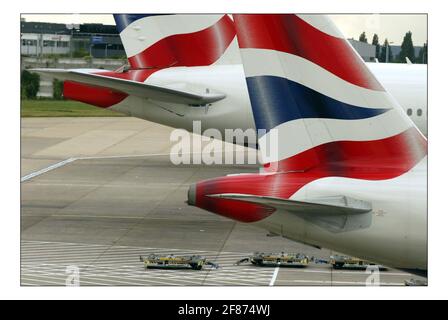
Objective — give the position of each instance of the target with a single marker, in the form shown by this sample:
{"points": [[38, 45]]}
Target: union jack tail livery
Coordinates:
{"points": [[330, 113], [153, 44], [345, 148], [166, 40]]}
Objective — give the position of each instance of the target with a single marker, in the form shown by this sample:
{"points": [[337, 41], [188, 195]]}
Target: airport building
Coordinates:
{"points": [[58, 45], [366, 50], [40, 39], [43, 39]]}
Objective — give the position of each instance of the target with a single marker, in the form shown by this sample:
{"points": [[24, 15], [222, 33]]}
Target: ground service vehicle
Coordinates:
{"points": [[277, 259], [194, 262], [340, 262]]}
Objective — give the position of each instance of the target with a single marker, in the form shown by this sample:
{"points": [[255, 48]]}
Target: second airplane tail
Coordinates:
{"points": [[162, 41]]}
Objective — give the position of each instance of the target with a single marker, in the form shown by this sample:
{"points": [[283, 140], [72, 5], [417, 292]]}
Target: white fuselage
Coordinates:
{"points": [[406, 83]]}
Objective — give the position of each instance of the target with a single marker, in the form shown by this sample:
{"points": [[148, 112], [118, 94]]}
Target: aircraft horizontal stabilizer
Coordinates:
{"points": [[335, 214], [140, 89]]}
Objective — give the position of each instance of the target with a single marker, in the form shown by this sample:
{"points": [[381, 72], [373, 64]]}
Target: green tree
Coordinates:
{"points": [[384, 49], [80, 53], [407, 48], [363, 37], [376, 43], [29, 85], [58, 87], [423, 54]]}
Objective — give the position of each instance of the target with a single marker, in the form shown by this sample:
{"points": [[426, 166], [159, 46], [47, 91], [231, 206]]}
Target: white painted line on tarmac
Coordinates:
{"points": [[59, 243], [332, 282], [101, 279], [130, 156], [61, 248], [192, 278], [342, 272], [55, 277], [274, 277], [44, 170], [47, 255], [69, 160], [68, 216], [129, 280], [29, 246], [154, 155], [138, 270], [120, 256], [62, 252], [40, 282], [105, 256], [131, 273], [113, 247]]}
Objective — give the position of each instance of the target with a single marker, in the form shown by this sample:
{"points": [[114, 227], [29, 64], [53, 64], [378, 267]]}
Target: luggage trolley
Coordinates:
{"points": [[194, 262], [276, 259]]}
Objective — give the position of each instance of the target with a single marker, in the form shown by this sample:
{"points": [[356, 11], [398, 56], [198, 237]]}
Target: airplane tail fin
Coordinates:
{"points": [[309, 88], [161, 41]]}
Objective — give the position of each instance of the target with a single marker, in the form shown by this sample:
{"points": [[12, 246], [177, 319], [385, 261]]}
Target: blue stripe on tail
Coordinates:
{"points": [[276, 100], [123, 20]]}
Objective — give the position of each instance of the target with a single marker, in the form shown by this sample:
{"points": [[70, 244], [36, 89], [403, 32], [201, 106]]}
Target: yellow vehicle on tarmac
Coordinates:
{"points": [[346, 262], [194, 262], [281, 259]]}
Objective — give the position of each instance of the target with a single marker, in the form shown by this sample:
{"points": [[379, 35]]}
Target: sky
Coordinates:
{"points": [[390, 26]]}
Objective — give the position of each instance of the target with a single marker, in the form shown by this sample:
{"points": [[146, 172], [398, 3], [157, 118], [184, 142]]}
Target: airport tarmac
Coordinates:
{"points": [[97, 193]]}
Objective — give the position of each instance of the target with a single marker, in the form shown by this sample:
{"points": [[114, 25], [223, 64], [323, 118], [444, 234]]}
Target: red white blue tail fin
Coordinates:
{"points": [[161, 41], [308, 86]]}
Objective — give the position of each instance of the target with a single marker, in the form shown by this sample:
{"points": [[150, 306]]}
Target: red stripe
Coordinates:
{"points": [[101, 96], [288, 33], [373, 160], [200, 48], [97, 96], [366, 160], [277, 185]]}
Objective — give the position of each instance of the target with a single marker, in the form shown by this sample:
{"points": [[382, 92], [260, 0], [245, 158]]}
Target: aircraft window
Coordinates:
{"points": [[419, 112], [409, 112]]}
